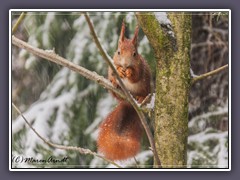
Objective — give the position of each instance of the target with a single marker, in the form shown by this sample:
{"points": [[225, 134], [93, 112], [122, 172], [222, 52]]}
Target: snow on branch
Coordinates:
{"points": [[219, 111], [162, 18], [58, 146], [166, 26], [203, 138]]}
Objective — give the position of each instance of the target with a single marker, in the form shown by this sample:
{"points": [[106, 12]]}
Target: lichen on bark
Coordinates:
{"points": [[172, 84]]}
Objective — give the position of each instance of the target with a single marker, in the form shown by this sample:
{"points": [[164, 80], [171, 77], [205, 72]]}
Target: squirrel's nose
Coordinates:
{"points": [[124, 63]]}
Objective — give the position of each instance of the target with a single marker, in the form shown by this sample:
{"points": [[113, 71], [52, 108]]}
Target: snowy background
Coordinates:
{"points": [[67, 109]]}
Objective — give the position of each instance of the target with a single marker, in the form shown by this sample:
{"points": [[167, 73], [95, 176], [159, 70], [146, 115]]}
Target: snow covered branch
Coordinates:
{"points": [[211, 73], [58, 146]]}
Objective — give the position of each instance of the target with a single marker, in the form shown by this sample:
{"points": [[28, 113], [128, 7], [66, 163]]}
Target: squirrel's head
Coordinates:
{"points": [[127, 54]]}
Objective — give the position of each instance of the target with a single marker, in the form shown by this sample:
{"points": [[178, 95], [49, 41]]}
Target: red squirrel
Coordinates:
{"points": [[120, 133]]}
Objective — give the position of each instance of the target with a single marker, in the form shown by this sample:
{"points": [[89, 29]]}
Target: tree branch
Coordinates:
{"points": [[19, 20], [211, 73], [207, 43], [129, 97], [69, 148], [51, 56]]}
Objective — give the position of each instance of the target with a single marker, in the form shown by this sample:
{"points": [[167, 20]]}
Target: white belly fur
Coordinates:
{"points": [[132, 87]]}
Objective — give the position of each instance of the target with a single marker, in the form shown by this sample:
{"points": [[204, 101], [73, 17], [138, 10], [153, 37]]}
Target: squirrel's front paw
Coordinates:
{"points": [[121, 72], [129, 72]]}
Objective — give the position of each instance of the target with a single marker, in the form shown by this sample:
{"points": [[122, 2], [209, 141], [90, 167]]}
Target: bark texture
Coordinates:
{"points": [[171, 43]]}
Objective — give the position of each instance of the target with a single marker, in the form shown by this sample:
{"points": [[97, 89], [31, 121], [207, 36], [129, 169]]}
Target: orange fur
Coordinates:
{"points": [[131, 67], [120, 133]]}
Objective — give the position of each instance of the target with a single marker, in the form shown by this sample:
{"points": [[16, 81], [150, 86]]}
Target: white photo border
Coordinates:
{"points": [[116, 10]]}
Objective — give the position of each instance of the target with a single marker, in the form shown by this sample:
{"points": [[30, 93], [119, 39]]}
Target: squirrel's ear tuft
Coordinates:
{"points": [[135, 37], [122, 34]]}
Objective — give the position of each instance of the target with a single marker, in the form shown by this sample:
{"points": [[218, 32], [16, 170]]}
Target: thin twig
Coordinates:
{"points": [[20, 19], [58, 146], [146, 100], [104, 54], [137, 163], [211, 73], [129, 97]]}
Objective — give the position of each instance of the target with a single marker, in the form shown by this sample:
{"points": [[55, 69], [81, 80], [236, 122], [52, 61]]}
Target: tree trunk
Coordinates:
{"points": [[170, 36]]}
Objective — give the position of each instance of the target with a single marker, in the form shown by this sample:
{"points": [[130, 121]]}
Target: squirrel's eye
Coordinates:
{"points": [[118, 52], [134, 54]]}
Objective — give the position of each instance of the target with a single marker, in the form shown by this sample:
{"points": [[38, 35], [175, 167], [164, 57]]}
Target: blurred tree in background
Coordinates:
{"points": [[208, 102], [66, 108]]}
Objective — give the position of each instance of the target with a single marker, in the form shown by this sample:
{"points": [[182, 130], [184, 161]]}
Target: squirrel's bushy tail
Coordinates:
{"points": [[120, 133]]}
